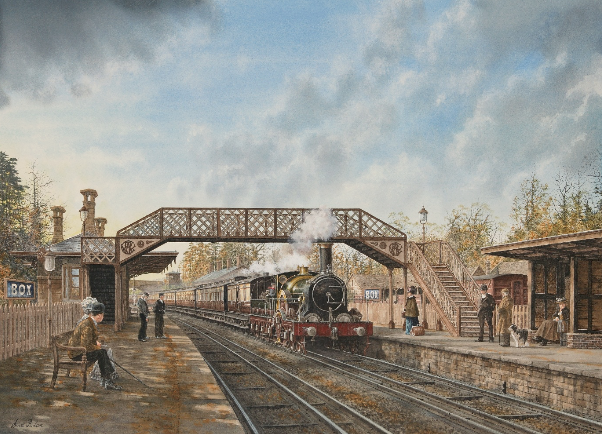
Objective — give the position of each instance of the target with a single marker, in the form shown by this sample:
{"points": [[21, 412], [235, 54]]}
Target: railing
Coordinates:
{"points": [[261, 223], [440, 252], [433, 285], [25, 327], [520, 316]]}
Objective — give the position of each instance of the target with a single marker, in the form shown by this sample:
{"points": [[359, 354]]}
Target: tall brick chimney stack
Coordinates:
{"points": [[99, 224], [90, 204], [57, 218]]}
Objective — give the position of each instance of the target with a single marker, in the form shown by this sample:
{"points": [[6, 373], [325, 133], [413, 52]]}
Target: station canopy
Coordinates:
{"points": [[586, 245]]}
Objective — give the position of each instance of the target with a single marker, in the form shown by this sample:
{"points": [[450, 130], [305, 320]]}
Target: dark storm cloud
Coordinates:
{"points": [[49, 44]]}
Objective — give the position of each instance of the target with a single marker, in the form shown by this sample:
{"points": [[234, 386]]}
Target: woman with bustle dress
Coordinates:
{"points": [[505, 317], [411, 311], [553, 329]]}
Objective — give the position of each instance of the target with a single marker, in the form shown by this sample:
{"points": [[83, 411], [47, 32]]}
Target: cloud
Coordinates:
{"points": [[47, 46]]}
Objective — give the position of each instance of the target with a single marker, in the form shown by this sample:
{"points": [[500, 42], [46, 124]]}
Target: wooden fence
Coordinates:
{"points": [[25, 327]]}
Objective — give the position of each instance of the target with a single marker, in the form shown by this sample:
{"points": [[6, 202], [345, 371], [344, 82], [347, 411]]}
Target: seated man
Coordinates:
{"points": [[552, 329], [86, 335]]}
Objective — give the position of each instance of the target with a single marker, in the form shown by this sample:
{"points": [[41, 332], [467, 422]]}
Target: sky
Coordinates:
{"points": [[386, 106]]}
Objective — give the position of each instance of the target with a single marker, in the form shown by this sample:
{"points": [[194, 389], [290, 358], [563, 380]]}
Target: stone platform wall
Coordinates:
{"points": [[560, 390]]}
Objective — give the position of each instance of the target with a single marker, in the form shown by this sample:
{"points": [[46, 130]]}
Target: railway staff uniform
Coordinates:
{"points": [[411, 311], [144, 313], [485, 313], [86, 335], [159, 310]]}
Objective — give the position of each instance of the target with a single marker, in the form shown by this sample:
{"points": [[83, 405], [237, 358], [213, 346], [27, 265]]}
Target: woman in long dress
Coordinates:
{"points": [[553, 329]]}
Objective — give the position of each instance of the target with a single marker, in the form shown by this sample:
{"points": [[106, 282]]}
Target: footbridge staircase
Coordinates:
{"points": [[447, 284]]}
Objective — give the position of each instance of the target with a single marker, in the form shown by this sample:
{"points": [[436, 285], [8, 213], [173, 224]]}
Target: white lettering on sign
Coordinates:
{"points": [[372, 294], [16, 289]]}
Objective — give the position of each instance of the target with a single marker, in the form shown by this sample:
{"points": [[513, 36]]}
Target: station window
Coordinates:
{"points": [[71, 283]]}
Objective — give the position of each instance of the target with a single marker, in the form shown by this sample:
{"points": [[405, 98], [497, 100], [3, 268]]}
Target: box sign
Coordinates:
{"points": [[372, 294], [19, 289]]}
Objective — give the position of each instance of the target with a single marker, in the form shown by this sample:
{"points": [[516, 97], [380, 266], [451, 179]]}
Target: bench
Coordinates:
{"points": [[63, 361]]}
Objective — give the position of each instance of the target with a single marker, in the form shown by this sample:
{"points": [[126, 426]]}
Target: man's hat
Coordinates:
{"points": [[98, 308], [161, 294], [483, 287]]}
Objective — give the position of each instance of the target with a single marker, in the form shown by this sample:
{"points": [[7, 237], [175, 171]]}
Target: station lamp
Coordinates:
{"points": [[423, 217], [83, 215]]}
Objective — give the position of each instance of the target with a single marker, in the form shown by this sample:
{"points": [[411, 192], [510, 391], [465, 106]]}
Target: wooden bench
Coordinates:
{"points": [[63, 361]]}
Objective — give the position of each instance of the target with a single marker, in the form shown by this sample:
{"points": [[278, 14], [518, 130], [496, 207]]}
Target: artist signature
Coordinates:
{"points": [[26, 424]]}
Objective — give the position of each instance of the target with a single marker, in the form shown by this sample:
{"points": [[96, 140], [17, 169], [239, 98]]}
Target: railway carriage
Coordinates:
{"points": [[289, 308]]}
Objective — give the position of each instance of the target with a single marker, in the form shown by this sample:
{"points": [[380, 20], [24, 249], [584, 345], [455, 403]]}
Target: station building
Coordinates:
{"points": [[568, 266], [72, 281]]}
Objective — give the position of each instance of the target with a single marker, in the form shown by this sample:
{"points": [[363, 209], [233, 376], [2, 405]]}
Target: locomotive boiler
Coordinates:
{"points": [[313, 306]]}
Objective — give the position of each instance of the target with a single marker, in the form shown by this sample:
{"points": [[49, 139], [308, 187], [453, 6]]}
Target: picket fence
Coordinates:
{"points": [[25, 327]]}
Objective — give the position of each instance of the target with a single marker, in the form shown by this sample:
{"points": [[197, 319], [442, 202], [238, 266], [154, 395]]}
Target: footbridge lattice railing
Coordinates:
{"points": [[378, 239]]}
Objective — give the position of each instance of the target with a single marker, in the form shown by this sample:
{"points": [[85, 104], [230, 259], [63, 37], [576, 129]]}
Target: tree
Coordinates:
{"points": [[12, 194], [203, 258], [531, 211], [470, 229]]}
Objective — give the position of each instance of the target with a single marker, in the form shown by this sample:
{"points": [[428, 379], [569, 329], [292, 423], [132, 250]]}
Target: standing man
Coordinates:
{"points": [[143, 312], [485, 313], [159, 310], [505, 314]]}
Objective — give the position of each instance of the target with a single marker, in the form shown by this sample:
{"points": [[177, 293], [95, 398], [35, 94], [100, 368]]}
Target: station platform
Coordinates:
{"points": [[179, 394], [566, 379]]}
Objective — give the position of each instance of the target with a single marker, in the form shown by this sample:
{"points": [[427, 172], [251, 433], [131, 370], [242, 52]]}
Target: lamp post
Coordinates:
{"points": [[49, 265], [423, 217], [83, 215]]}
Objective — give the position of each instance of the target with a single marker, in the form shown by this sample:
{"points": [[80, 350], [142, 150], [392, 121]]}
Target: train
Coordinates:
{"points": [[292, 309]]}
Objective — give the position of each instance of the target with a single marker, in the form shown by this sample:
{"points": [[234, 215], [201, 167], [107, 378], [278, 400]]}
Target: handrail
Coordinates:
{"points": [[441, 252], [433, 285]]}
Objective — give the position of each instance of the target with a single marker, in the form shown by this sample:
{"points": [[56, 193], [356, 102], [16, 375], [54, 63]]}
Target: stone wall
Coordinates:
{"points": [[559, 389]]}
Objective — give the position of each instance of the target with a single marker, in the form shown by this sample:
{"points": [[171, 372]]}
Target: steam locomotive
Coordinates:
{"points": [[290, 309]]}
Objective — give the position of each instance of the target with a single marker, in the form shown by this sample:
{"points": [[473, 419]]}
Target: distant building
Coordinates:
{"points": [[511, 275]]}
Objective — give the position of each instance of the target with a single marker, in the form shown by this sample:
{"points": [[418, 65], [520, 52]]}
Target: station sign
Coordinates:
{"points": [[19, 289], [372, 294]]}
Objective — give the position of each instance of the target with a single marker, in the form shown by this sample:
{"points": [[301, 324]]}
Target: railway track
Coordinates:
{"points": [[398, 398], [505, 412], [267, 397]]}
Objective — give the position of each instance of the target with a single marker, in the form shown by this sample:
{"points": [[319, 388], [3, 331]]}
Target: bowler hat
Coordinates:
{"points": [[98, 308]]}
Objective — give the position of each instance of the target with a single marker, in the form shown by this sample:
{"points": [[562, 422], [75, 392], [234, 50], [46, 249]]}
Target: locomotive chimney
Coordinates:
{"points": [[325, 258]]}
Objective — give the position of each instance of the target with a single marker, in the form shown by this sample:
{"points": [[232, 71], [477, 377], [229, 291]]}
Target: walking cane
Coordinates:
{"points": [[129, 373]]}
